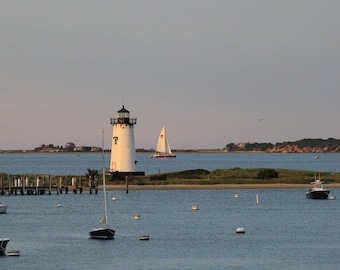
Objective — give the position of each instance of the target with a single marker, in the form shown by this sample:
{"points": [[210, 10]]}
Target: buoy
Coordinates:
{"points": [[332, 197], [136, 217], [257, 198], [236, 195], [194, 207], [113, 198], [144, 237], [240, 230]]}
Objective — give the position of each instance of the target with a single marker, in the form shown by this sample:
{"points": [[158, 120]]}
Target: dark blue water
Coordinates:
{"points": [[283, 231], [73, 164]]}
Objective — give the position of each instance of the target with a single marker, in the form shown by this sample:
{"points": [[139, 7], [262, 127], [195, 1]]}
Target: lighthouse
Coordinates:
{"points": [[123, 152]]}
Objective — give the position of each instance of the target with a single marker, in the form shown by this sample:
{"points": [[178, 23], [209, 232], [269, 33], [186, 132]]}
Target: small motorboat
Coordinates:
{"points": [[144, 237], [194, 207], [58, 204], [136, 217], [13, 252], [240, 230], [3, 208], [317, 192]]}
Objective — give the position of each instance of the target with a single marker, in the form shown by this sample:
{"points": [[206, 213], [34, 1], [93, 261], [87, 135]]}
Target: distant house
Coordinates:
{"points": [[70, 146]]}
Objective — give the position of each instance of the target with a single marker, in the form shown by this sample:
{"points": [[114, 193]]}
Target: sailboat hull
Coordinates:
{"points": [[163, 156], [102, 233]]}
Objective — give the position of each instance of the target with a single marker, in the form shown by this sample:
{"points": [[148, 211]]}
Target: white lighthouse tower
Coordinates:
{"points": [[123, 152]]}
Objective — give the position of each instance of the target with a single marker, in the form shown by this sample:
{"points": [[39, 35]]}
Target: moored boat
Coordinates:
{"points": [[13, 252], [317, 192], [144, 237], [3, 208], [103, 232]]}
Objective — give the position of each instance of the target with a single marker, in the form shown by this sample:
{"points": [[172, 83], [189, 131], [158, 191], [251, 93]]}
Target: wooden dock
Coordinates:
{"points": [[41, 185]]}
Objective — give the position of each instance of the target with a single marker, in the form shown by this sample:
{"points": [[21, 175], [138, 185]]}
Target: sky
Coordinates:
{"points": [[213, 72]]}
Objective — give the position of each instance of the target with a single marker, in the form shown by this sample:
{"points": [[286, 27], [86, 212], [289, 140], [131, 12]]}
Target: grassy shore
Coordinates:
{"points": [[235, 178], [218, 186]]}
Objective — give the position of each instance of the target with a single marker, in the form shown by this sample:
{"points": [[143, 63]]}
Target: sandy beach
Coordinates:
{"points": [[221, 186]]}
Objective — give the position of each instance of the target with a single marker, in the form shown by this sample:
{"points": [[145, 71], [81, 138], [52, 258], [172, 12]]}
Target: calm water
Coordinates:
{"points": [[73, 164], [283, 231]]}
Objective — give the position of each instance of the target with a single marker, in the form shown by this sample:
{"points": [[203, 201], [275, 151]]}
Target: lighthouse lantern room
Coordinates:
{"points": [[123, 152]]}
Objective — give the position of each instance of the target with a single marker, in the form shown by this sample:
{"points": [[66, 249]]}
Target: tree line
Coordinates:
{"points": [[329, 145]]}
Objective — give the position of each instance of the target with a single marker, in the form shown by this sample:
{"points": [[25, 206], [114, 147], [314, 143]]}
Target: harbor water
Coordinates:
{"points": [[283, 230], [77, 164]]}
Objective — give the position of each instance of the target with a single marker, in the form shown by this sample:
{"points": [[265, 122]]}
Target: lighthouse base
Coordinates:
{"points": [[123, 174]]}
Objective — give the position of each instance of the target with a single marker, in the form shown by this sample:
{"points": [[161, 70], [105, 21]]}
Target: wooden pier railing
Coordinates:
{"points": [[40, 185]]}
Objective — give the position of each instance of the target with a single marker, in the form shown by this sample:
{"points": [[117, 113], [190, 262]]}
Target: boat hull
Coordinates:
{"points": [[3, 244], [14, 253], [102, 233], [144, 237], [3, 208], [317, 195], [163, 156]]}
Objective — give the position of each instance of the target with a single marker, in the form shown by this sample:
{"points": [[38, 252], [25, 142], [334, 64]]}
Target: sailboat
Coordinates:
{"points": [[163, 149], [103, 231]]}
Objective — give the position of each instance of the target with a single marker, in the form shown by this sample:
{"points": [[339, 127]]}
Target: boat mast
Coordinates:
{"points": [[104, 184], [165, 141]]}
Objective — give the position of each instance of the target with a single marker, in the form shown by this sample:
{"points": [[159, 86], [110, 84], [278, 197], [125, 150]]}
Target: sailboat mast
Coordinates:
{"points": [[104, 184], [165, 141]]}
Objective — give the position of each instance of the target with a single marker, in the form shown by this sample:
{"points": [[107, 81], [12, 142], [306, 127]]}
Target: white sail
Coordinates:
{"points": [[163, 145], [163, 148]]}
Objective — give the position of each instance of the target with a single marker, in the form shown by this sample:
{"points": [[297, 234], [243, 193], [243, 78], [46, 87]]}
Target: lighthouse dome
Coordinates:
{"points": [[123, 113]]}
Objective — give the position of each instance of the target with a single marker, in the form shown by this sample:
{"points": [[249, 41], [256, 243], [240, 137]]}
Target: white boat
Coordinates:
{"points": [[13, 252], [194, 207], [240, 230], [144, 237], [3, 208], [103, 231], [136, 217], [163, 149], [317, 192]]}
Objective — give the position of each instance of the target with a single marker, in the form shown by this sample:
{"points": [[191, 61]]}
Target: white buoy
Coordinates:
{"points": [[113, 198], [257, 198], [236, 195], [240, 230], [136, 217], [194, 207]]}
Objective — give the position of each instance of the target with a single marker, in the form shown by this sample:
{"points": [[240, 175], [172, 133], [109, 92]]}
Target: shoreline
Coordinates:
{"points": [[218, 186]]}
